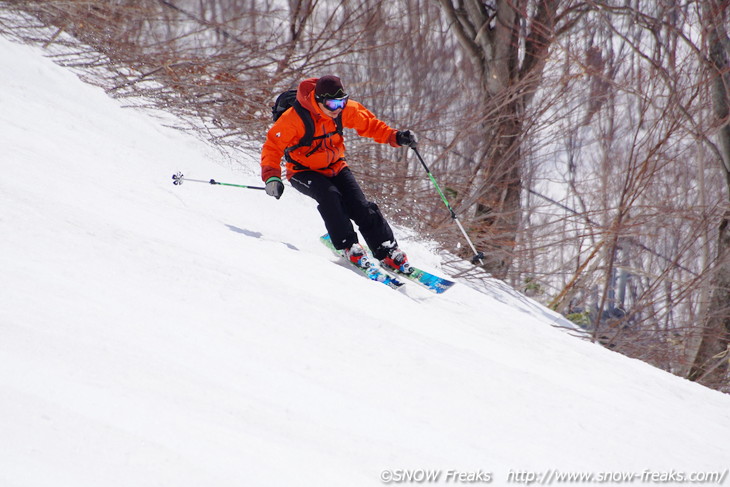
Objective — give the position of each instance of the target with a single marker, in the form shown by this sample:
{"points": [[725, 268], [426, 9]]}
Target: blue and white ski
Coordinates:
{"points": [[426, 279], [430, 281], [370, 271]]}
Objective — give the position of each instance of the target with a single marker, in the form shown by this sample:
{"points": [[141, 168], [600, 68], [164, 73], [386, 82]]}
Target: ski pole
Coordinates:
{"points": [[177, 180], [478, 256]]}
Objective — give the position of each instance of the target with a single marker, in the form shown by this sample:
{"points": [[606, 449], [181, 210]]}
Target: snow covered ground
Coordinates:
{"points": [[153, 335]]}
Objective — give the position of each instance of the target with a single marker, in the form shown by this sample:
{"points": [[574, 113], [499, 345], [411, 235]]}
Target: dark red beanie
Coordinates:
{"points": [[329, 87]]}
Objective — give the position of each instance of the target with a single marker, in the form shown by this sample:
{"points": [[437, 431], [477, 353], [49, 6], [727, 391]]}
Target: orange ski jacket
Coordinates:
{"points": [[326, 156]]}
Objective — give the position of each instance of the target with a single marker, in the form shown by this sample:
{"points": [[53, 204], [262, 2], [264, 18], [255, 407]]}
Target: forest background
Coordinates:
{"points": [[584, 144]]}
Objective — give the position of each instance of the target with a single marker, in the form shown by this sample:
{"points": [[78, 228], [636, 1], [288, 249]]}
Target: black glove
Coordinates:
{"points": [[274, 187], [406, 138]]}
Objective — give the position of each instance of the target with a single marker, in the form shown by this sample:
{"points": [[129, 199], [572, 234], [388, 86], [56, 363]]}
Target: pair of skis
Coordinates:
{"points": [[391, 277]]}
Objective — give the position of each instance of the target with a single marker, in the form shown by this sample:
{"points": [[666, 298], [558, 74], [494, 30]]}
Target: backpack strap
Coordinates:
{"points": [[308, 138], [306, 117]]}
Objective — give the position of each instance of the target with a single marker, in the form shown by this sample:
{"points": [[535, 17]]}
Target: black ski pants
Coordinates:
{"points": [[341, 201]]}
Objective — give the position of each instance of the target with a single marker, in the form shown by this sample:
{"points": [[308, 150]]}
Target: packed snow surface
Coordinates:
{"points": [[154, 335]]}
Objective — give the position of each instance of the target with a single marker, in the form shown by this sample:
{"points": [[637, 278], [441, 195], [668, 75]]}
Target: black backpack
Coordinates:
{"points": [[288, 99], [282, 103]]}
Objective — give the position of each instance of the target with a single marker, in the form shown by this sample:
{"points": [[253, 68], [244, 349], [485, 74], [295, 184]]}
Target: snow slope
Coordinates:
{"points": [[201, 336]]}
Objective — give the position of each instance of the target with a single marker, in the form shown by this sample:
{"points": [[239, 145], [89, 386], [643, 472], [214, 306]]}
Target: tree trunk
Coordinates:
{"points": [[508, 49], [711, 362]]}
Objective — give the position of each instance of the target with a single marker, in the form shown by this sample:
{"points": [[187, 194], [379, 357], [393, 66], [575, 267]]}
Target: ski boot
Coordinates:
{"points": [[356, 254], [397, 260]]}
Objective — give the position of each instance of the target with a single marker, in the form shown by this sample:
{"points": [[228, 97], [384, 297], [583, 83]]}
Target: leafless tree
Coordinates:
{"points": [[633, 223], [711, 363], [507, 42]]}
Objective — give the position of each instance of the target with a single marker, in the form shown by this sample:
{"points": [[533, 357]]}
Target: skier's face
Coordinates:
{"points": [[328, 112], [333, 106]]}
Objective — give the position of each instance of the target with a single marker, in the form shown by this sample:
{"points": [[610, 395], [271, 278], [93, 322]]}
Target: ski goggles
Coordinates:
{"points": [[333, 104]]}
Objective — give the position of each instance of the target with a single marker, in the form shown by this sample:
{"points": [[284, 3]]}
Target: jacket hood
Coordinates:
{"points": [[305, 96]]}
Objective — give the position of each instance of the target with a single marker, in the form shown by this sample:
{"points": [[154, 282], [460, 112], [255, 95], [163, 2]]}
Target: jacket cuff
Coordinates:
{"points": [[269, 172], [392, 140]]}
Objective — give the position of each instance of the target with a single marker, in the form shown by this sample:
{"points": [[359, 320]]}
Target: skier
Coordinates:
{"points": [[319, 170]]}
